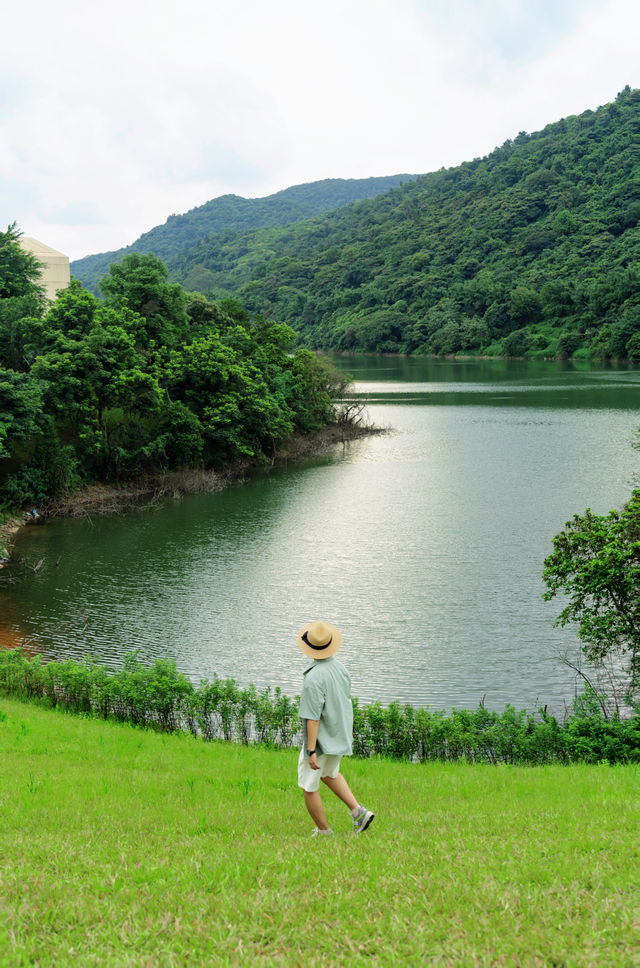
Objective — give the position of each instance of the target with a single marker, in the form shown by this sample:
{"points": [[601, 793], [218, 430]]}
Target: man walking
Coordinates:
{"points": [[325, 708]]}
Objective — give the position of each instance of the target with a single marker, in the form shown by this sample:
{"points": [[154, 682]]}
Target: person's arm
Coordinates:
{"points": [[312, 739]]}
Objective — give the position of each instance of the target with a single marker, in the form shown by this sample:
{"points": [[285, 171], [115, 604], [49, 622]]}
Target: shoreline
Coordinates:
{"points": [[146, 491], [466, 357], [8, 531]]}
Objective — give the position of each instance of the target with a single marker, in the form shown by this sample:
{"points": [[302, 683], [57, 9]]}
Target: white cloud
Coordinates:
{"points": [[129, 112]]}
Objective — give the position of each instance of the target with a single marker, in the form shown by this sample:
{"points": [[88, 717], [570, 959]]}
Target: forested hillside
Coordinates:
{"points": [[231, 213], [149, 380], [533, 250]]}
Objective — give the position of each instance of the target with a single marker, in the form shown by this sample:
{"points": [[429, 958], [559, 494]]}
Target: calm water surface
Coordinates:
{"points": [[424, 545]]}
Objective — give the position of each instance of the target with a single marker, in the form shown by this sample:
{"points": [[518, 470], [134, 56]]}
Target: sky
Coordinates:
{"points": [[114, 116]]}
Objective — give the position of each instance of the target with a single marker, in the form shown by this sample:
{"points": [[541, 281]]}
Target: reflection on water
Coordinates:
{"points": [[424, 545]]}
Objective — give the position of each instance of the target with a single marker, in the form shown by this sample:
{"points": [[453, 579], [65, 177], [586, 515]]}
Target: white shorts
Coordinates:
{"points": [[309, 779]]}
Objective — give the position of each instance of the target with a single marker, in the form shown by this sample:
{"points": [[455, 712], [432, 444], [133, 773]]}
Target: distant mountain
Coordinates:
{"points": [[532, 250], [232, 213]]}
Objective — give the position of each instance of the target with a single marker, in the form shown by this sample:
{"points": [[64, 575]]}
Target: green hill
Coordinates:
{"points": [[532, 250], [231, 213]]}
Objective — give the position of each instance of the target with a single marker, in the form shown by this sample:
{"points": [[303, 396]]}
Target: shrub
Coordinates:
{"points": [[159, 697], [568, 343]]}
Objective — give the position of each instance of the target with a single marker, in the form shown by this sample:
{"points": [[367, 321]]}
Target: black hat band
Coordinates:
{"points": [[318, 648]]}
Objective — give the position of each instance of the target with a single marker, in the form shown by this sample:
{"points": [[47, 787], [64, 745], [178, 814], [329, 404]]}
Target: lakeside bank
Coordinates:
{"points": [[9, 529], [160, 698], [103, 498]]}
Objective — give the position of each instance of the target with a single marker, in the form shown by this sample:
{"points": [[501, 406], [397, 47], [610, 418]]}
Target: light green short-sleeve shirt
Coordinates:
{"points": [[326, 696]]}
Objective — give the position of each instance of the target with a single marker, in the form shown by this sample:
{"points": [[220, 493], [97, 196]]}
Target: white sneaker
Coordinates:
{"points": [[322, 833], [362, 820]]}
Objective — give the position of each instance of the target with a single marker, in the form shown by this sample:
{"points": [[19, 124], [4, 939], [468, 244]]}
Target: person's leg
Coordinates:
{"points": [[315, 807], [361, 816], [339, 786], [309, 780]]}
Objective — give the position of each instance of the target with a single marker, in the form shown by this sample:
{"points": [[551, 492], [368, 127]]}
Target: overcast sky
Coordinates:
{"points": [[114, 116]]}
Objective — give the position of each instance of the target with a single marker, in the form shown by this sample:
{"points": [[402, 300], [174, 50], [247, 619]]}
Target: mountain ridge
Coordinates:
{"points": [[235, 213], [531, 250]]}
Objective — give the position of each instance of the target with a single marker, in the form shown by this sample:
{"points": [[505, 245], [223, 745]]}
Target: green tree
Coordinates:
{"points": [[524, 305], [596, 564], [42, 467], [315, 385], [239, 416], [20, 409], [151, 379], [557, 298], [94, 376], [180, 435], [141, 284], [517, 343], [19, 269], [633, 348], [568, 343], [21, 296], [624, 329], [203, 314], [565, 223]]}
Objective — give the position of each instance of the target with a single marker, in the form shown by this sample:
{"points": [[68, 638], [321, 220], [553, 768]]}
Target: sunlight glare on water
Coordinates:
{"points": [[424, 545]]}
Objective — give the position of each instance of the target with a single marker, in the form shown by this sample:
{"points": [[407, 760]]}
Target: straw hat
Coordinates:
{"points": [[319, 640]]}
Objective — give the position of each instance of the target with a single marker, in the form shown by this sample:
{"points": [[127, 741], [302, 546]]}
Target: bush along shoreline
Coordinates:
{"points": [[160, 698]]}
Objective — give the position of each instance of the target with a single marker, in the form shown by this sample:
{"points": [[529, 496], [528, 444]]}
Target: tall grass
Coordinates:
{"points": [[159, 697], [125, 847]]}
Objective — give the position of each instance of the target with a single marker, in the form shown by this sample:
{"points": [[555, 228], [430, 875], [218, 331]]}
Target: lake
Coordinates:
{"points": [[425, 545]]}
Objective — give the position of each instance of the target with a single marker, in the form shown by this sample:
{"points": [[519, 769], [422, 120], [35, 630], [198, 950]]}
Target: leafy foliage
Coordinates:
{"points": [[20, 296], [532, 250], [19, 269], [161, 698], [149, 379], [20, 409], [141, 284], [596, 564]]}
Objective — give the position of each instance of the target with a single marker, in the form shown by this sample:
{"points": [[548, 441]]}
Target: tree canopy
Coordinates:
{"points": [[596, 564], [148, 379]]}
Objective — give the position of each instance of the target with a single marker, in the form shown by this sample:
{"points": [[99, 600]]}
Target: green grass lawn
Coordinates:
{"points": [[125, 847]]}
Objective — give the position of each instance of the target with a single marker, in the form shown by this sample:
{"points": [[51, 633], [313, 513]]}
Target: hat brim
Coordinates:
{"points": [[323, 652]]}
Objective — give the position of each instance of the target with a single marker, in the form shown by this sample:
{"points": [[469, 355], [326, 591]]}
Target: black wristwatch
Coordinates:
{"points": [[311, 752]]}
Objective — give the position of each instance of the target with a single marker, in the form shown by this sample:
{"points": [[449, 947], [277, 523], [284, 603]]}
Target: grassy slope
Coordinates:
{"points": [[122, 847]]}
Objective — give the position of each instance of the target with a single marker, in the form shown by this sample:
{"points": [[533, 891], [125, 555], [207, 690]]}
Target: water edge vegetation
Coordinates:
{"points": [[161, 698]]}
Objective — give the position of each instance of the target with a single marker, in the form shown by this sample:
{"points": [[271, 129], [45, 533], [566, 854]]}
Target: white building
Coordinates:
{"points": [[55, 273]]}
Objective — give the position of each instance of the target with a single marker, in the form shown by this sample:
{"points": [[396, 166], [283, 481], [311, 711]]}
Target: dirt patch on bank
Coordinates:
{"points": [[148, 491], [8, 531], [141, 494]]}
